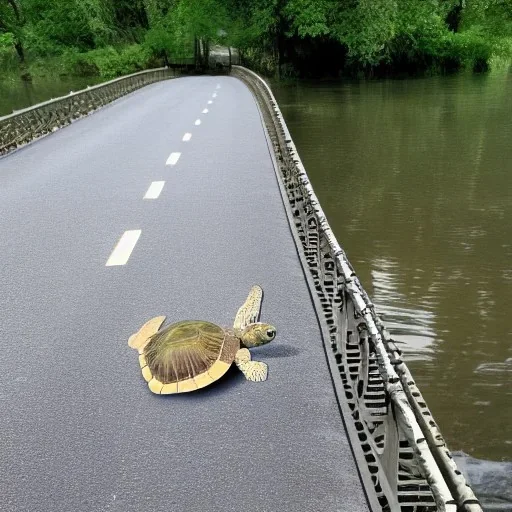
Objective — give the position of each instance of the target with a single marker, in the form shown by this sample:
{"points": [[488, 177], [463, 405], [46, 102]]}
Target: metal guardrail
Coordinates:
{"points": [[402, 454], [25, 125]]}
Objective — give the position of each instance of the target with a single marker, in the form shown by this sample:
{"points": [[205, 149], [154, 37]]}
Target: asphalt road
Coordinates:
{"points": [[79, 429]]}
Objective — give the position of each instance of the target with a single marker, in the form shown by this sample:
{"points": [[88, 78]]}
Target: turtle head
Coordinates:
{"points": [[257, 334]]}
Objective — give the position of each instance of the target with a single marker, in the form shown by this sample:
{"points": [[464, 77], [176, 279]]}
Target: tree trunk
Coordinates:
{"points": [[207, 54], [18, 45], [454, 17], [20, 51], [200, 53], [279, 39], [196, 53], [16, 10], [166, 59]]}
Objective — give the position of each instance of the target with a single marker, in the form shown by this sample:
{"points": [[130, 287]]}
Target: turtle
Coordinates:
{"points": [[191, 354]]}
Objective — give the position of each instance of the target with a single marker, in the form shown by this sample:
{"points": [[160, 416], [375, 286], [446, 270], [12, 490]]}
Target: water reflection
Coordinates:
{"points": [[415, 177], [16, 94], [504, 367], [491, 481], [413, 328]]}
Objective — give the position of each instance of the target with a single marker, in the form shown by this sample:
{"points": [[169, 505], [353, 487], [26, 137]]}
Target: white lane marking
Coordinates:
{"points": [[214, 95], [124, 248], [173, 158], [198, 122], [205, 111], [154, 189], [218, 86], [210, 102], [187, 137]]}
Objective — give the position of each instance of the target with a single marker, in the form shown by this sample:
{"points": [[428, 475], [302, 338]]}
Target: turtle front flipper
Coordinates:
{"points": [[255, 371], [139, 340], [249, 312]]}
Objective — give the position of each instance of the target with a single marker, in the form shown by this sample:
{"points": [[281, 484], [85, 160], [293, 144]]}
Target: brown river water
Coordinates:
{"points": [[16, 94], [415, 177]]}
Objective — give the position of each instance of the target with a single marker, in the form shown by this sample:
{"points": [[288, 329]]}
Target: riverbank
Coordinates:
{"points": [[40, 79], [451, 53], [104, 63]]}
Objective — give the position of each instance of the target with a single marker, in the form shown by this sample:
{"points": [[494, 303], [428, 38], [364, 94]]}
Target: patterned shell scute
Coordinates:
{"points": [[184, 350]]}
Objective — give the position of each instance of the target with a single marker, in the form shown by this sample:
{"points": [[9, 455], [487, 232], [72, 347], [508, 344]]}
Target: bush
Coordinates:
{"points": [[475, 49], [8, 59], [261, 61], [431, 46], [108, 62]]}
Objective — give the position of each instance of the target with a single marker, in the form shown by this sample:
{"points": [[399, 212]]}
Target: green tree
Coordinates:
{"points": [[79, 24], [11, 25], [180, 27], [112, 36], [309, 17]]}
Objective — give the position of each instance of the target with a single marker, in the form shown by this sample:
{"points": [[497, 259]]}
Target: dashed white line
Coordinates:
{"points": [[173, 158], [124, 248], [154, 189]]}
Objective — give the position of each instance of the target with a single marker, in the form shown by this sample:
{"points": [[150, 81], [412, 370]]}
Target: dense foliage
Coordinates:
{"points": [[307, 37]]}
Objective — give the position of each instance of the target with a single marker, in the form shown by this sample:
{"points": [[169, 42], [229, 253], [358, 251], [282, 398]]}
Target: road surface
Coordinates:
{"points": [[79, 429]]}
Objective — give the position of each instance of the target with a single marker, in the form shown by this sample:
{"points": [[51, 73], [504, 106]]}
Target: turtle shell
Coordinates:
{"points": [[187, 355]]}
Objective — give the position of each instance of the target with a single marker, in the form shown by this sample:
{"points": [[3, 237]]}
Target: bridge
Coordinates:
{"points": [[163, 195]]}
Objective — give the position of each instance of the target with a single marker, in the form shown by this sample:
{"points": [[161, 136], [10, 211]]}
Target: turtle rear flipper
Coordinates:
{"points": [[141, 337]]}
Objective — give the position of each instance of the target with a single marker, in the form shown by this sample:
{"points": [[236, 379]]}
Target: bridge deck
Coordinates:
{"points": [[79, 429]]}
